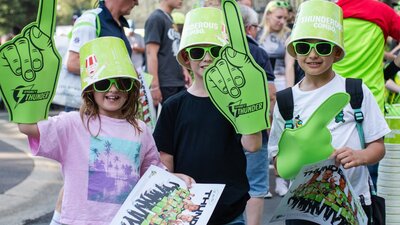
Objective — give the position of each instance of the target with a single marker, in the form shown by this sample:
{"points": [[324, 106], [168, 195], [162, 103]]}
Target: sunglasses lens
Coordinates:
{"points": [[214, 51], [124, 84], [302, 48], [323, 48], [102, 85], [196, 53]]}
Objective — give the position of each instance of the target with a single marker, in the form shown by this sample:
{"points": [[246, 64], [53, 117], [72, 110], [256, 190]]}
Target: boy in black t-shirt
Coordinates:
{"points": [[193, 137]]}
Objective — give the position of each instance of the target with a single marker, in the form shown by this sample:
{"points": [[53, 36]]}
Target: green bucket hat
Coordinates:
{"points": [[204, 25], [318, 19], [103, 58]]}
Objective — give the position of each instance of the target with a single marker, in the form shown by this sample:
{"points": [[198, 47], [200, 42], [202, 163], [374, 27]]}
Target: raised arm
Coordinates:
{"points": [[31, 130]]}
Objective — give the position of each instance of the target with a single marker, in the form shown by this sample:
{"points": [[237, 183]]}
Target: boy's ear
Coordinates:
{"points": [[338, 53], [185, 57]]}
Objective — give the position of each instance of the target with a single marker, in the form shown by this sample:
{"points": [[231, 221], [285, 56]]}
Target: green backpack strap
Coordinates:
{"points": [[284, 99], [354, 89]]}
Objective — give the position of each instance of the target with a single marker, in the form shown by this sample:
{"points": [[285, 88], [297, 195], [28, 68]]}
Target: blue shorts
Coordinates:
{"points": [[258, 170]]}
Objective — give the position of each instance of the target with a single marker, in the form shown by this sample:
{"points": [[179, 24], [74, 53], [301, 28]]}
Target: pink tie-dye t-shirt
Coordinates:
{"points": [[99, 171]]}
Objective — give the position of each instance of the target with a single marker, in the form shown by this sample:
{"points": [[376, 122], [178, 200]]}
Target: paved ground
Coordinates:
{"points": [[29, 185]]}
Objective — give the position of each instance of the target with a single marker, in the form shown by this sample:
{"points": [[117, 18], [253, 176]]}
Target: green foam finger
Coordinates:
{"points": [[216, 79], [223, 68], [31, 65], [328, 110], [311, 142], [9, 55], [234, 23], [46, 18], [237, 85], [26, 65]]}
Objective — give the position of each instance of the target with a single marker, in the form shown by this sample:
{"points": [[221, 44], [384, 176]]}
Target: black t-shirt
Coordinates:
{"points": [[159, 29], [206, 147]]}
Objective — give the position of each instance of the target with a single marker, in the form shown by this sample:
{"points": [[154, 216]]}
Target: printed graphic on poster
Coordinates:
{"points": [[162, 198], [321, 193]]}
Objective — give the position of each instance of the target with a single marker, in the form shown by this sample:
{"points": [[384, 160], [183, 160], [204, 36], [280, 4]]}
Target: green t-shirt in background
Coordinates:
{"points": [[364, 44]]}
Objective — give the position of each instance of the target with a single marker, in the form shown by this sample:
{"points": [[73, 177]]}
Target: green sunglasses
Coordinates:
{"points": [[277, 4], [282, 4], [198, 52], [122, 84], [323, 48]]}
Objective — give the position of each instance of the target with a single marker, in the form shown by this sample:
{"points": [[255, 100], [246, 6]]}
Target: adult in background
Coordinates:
{"points": [[162, 44], [366, 26], [137, 45], [272, 38], [257, 162], [110, 14], [248, 3]]}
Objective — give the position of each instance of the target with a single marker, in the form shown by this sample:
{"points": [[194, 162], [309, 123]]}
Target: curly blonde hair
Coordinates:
{"points": [[130, 110]]}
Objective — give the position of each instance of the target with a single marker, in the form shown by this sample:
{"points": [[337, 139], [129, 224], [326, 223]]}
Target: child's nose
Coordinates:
{"points": [[113, 88], [208, 57], [313, 53]]}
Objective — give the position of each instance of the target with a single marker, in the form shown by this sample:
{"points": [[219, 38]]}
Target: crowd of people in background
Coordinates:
{"points": [[267, 33]]}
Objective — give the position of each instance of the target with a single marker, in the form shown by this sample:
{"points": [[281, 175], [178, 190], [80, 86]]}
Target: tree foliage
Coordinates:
{"points": [[68, 8], [16, 13], [19, 13]]}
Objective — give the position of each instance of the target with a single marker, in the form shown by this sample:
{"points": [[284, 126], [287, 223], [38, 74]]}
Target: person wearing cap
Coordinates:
{"points": [[317, 43], [192, 135], [257, 162], [106, 127]]}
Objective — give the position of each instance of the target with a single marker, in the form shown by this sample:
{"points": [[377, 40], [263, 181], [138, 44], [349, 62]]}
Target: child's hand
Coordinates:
{"points": [[188, 180], [397, 60], [29, 70], [348, 157]]}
